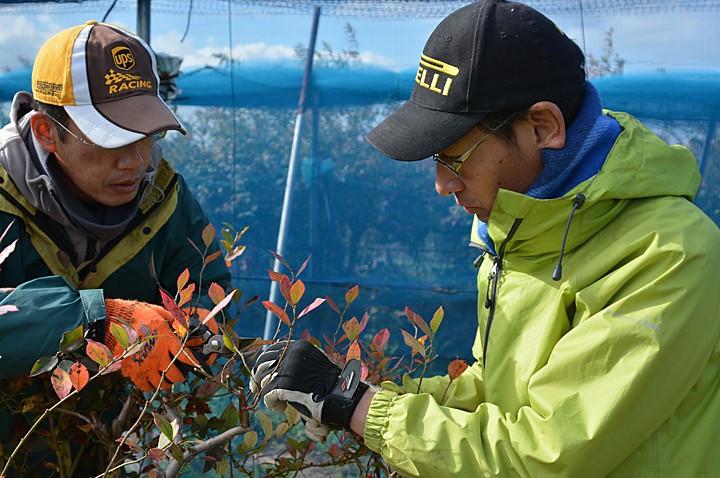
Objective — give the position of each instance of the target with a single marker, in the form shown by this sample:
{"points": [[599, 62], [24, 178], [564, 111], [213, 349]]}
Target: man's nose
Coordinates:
{"points": [[130, 158], [446, 182]]}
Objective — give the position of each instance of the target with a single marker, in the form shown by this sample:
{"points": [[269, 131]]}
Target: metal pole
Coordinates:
{"points": [[143, 20], [707, 146], [270, 319]]}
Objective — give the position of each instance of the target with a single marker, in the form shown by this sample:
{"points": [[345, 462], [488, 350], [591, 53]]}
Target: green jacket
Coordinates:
{"points": [[168, 218], [614, 370]]}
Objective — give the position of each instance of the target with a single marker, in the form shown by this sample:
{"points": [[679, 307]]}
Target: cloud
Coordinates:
{"points": [[206, 54], [22, 37], [662, 40]]}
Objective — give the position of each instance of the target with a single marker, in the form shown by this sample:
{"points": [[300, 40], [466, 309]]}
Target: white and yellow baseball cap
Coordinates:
{"points": [[106, 79]]}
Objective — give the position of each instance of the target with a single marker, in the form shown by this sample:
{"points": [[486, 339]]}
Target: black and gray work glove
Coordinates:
{"points": [[309, 381]]}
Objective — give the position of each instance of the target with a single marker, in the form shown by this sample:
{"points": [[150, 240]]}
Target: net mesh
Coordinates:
{"points": [[391, 9]]}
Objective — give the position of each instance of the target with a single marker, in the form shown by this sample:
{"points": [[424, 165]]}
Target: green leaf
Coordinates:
{"points": [[43, 364], [297, 291], [265, 423], [352, 329], [164, 425], [72, 340], [229, 416], [413, 343], [250, 438], [120, 333], [352, 294], [177, 454], [437, 319]]}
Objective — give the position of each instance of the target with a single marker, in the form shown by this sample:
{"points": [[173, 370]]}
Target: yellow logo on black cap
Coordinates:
{"points": [[123, 57], [441, 80]]}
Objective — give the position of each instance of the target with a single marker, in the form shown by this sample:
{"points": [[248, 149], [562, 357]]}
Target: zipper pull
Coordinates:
{"points": [[491, 279]]}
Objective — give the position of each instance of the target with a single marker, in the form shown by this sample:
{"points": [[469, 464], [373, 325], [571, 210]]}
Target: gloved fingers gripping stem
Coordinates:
{"points": [[309, 381]]}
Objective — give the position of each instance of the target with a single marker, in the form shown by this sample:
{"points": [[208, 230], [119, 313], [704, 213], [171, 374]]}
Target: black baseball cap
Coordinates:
{"points": [[490, 55]]}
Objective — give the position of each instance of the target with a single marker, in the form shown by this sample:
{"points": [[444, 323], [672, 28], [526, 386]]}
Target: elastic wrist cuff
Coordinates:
{"points": [[347, 393]]}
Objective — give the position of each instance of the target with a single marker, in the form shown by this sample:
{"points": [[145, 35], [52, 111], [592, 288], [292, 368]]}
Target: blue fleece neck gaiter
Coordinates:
{"points": [[588, 140]]}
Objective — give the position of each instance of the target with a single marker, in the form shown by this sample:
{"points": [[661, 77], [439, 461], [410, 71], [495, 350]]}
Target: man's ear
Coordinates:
{"points": [[40, 125], [548, 124]]}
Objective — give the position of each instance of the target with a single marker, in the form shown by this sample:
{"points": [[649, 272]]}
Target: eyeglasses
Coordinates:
{"points": [[83, 141], [156, 137], [453, 165]]}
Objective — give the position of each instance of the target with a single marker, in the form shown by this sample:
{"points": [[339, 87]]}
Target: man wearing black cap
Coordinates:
{"points": [[597, 350], [91, 203]]}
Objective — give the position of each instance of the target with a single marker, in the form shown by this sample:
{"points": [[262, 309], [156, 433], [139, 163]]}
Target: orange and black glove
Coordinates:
{"points": [[164, 341]]}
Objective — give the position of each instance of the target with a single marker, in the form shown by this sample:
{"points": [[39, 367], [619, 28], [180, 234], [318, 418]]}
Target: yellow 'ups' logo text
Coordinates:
{"points": [[118, 82], [442, 73], [123, 57]]}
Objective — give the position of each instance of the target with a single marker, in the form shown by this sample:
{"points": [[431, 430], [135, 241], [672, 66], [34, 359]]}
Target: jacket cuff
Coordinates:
{"points": [[93, 303], [377, 419]]}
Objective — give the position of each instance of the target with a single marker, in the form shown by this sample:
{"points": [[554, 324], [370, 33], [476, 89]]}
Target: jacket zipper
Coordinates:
{"points": [[493, 279]]}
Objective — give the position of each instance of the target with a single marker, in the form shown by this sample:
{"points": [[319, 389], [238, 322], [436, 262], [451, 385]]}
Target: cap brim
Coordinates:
{"points": [[119, 123], [413, 133]]}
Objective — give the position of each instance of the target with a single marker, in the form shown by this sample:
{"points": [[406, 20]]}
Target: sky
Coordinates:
{"points": [[678, 40]]}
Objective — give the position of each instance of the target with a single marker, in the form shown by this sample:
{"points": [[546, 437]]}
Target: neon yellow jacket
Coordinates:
{"points": [[614, 370]]}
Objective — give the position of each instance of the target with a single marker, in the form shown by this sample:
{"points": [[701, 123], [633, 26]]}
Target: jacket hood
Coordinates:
{"points": [[27, 164], [639, 166]]}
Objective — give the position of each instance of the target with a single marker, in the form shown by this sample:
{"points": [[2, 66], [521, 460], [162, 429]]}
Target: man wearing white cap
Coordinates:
{"points": [[92, 203], [597, 350]]}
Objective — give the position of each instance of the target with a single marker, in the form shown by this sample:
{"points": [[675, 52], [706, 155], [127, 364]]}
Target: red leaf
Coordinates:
{"points": [[79, 376], [285, 286], [186, 294], [380, 340], [216, 293], [332, 304], [363, 322], [61, 382], [316, 303], [156, 454], [302, 267], [208, 235], [98, 352], [277, 311], [212, 257], [456, 368], [173, 308], [281, 260], [354, 351], [220, 306], [276, 276]]}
